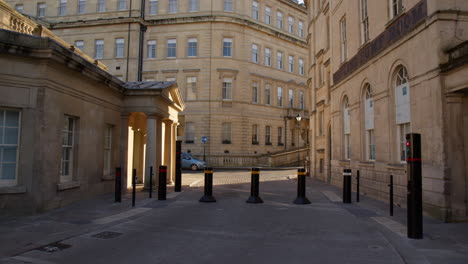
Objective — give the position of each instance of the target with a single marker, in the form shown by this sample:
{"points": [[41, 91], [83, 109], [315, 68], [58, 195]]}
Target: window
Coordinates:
{"points": [[189, 133], [267, 57], [254, 53], [320, 123], [79, 44], [267, 135], [279, 60], [301, 100], [171, 48], [192, 47], [68, 144], [346, 129], [254, 135], [254, 92], [268, 15], [396, 8], [108, 149], [279, 20], [403, 114], [320, 74], [173, 6], [19, 8], [151, 49], [280, 136], [227, 47], [364, 22], [81, 6], [41, 9], [254, 9], [194, 5], [226, 136], [267, 94], [227, 89], [122, 5], [9, 143], [280, 96], [369, 123], [290, 64], [62, 7], [301, 29], [101, 6], [228, 5], [343, 39], [301, 66], [99, 49], [191, 88], [291, 98], [290, 24], [153, 7], [119, 47]]}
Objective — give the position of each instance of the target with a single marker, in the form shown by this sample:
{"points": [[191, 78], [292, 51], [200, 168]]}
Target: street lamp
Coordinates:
{"points": [[298, 118]]}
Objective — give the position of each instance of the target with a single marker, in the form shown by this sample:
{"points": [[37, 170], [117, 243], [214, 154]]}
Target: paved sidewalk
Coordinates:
{"points": [[182, 230]]}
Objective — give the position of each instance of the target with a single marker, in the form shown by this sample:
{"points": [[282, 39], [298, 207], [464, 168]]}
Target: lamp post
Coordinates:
{"points": [[298, 118]]}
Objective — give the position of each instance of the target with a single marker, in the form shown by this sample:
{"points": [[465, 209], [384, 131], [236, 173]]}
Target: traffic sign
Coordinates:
{"points": [[204, 139]]}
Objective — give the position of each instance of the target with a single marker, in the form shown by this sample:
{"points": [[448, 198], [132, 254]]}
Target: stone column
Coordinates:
{"points": [[455, 154], [168, 153], [150, 158], [123, 151], [173, 150], [159, 144]]}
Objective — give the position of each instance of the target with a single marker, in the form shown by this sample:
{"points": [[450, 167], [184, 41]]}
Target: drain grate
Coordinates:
{"points": [[107, 235], [54, 247]]}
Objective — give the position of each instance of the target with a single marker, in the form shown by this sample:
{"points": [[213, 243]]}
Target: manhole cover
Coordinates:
{"points": [[54, 247], [107, 235]]}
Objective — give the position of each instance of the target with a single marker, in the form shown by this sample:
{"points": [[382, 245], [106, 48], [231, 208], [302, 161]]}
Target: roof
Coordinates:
{"points": [[151, 85]]}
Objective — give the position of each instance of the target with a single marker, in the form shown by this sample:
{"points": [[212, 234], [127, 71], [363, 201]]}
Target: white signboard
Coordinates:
{"points": [[402, 104]]}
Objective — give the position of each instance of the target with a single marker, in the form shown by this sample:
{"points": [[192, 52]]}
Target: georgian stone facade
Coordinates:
{"points": [[218, 52], [379, 70]]}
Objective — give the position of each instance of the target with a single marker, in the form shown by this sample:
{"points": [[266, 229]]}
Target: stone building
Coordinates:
{"points": [[382, 69], [240, 65], [66, 123]]}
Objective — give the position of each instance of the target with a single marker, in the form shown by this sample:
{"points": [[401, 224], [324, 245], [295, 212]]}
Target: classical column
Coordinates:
{"points": [[173, 151], [159, 144], [123, 155], [150, 158], [168, 153]]}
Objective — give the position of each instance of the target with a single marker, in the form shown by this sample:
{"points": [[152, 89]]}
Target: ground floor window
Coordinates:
{"points": [[370, 142], [347, 147], [108, 149], [68, 140], [403, 129], [9, 142]]}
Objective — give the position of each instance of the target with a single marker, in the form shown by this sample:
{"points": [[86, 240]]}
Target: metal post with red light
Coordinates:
{"points": [[414, 195]]}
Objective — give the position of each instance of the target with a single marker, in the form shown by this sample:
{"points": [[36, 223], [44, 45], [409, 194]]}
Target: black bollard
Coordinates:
{"points": [[414, 195], [151, 183], [134, 180], [178, 170], [357, 186], [208, 190], [391, 195], [347, 185], [301, 188], [118, 185], [254, 188], [162, 183]]}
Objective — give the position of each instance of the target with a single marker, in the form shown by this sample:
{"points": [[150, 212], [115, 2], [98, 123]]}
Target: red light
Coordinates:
{"points": [[408, 143]]}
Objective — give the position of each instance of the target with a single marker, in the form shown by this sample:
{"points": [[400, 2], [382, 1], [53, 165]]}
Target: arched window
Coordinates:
{"points": [[369, 122], [346, 129], [402, 110]]}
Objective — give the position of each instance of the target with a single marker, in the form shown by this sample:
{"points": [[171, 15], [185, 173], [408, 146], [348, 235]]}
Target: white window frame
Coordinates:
{"points": [[153, 7], [301, 100], [173, 7], [227, 89], [191, 93], [79, 44], [291, 24], [41, 9], [171, 48], [396, 8], [108, 137], [267, 56], [301, 67], [81, 6], [291, 98], [280, 97], [189, 132], [369, 123], [227, 47], [228, 5], [99, 49], [226, 133], [101, 6], [255, 9], [268, 15], [279, 60], [19, 8], [192, 47], [301, 29], [364, 22], [255, 135], [402, 109], [119, 47], [255, 92], [194, 5], [346, 130], [268, 135], [4, 146], [68, 145], [268, 94], [279, 19], [121, 5], [62, 8], [255, 53], [291, 64], [151, 49], [343, 40], [280, 136]]}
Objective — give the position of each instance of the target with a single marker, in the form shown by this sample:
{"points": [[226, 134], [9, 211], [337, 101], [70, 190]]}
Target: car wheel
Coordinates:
{"points": [[194, 167]]}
